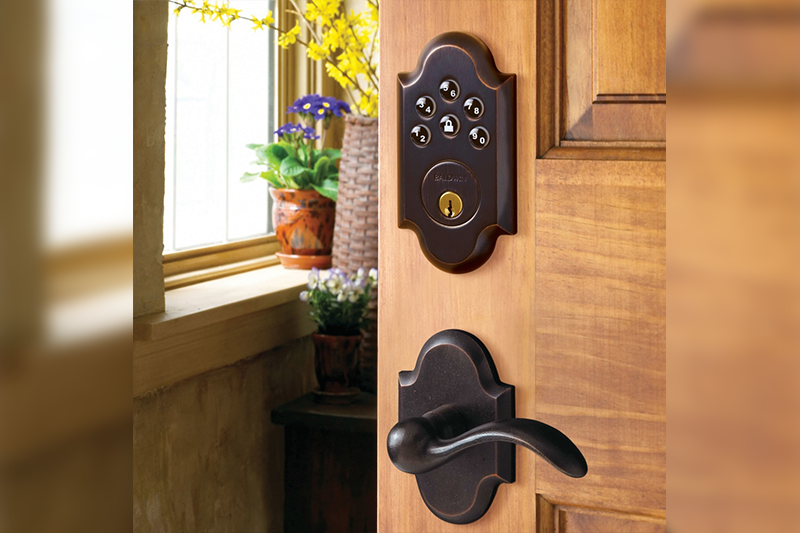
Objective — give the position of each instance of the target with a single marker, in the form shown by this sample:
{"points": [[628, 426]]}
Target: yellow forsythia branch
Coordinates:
{"points": [[346, 43]]}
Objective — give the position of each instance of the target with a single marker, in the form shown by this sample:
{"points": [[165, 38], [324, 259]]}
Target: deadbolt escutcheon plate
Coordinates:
{"points": [[453, 69]]}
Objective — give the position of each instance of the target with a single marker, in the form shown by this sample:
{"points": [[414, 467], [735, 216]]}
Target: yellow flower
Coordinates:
{"points": [[290, 37], [337, 75], [268, 19], [368, 104], [257, 24], [316, 52], [324, 10], [177, 10]]}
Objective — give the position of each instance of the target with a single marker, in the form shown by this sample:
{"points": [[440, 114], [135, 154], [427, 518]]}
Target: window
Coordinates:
{"points": [[221, 94]]}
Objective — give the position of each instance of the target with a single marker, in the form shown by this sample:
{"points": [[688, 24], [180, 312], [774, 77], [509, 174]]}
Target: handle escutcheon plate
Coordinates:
{"points": [[456, 431]]}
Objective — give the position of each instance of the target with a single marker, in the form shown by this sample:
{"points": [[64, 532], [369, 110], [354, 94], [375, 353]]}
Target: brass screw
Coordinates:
{"points": [[450, 204]]}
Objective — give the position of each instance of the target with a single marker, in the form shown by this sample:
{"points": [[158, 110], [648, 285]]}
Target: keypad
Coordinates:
{"points": [[473, 109]]}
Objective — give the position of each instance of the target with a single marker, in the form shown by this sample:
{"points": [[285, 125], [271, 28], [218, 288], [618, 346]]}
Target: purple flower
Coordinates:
{"points": [[337, 107], [319, 107], [288, 129], [305, 104], [310, 133]]}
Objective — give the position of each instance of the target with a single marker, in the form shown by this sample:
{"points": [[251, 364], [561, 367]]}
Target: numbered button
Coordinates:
{"points": [[426, 107], [421, 135], [449, 90], [449, 125], [479, 137], [473, 108]]}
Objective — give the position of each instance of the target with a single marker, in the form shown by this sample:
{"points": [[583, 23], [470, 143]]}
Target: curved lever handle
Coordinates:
{"points": [[415, 447]]}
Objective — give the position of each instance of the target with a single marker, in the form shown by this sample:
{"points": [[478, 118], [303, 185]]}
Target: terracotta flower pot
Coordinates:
{"points": [[336, 366], [303, 222]]}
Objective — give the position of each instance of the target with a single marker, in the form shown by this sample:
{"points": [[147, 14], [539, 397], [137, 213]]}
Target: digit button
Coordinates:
{"points": [[449, 90], [420, 135], [425, 106], [479, 137], [473, 108]]}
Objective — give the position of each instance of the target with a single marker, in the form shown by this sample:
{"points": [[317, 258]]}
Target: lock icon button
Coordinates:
{"points": [[449, 125]]}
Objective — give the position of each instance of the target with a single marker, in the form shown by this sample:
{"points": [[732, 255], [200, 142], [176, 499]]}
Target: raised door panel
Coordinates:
{"points": [[600, 316], [630, 49], [613, 57]]}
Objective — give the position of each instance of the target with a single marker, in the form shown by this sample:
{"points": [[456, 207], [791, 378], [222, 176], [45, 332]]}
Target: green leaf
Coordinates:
{"points": [[315, 155], [332, 153], [249, 176], [261, 153], [303, 180], [328, 189], [302, 155], [288, 147], [333, 176], [291, 167], [321, 169], [273, 179], [259, 162], [275, 154], [254, 146]]}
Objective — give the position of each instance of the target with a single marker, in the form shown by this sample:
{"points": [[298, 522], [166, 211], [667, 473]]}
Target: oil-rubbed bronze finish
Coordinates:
{"points": [[473, 156], [457, 429]]}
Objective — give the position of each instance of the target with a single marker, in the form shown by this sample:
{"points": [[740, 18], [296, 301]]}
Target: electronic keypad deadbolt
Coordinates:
{"points": [[458, 152]]}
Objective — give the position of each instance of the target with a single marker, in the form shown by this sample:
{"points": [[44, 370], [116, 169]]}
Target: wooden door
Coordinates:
{"points": [[572, 307]]}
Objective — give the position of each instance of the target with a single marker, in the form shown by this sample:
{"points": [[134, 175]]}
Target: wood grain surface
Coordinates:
{"points": [[601, 328], [417, 300], [602, 241]]}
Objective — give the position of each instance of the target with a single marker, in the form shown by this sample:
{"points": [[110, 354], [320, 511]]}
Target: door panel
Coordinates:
{"points": [[571, 308], [600, 312], [613, 54], [565, 519]]}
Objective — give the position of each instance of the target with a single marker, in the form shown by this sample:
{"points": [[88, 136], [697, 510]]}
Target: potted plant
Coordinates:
{"points": [[304, 183], [339, 307]]}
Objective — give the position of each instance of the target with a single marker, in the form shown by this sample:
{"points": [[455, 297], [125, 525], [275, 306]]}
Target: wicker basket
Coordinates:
{"points": [[355, 237]]}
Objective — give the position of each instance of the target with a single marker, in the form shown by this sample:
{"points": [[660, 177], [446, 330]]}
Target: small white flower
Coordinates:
{"points": [[313, 279], [334, 284], [373, 274], [304, 296], [360, 274], [342, 296], [355, 292]]}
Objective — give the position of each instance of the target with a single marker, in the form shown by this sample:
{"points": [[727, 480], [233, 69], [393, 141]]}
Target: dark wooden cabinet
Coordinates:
{"points": [[330, 477]]}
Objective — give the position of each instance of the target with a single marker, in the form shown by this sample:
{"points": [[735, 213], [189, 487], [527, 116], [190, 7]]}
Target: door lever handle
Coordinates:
{"points": [[416, 445], [457, 429]]}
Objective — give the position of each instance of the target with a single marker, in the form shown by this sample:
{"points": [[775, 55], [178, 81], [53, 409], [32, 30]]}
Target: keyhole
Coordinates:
{"points": [[450, 204]]}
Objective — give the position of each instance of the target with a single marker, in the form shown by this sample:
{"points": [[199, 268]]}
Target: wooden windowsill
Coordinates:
{"points": [[216, 323]]}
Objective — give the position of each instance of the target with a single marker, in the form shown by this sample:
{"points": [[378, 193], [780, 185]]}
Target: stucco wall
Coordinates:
{"points": [[150, 19], [206, 456]]}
